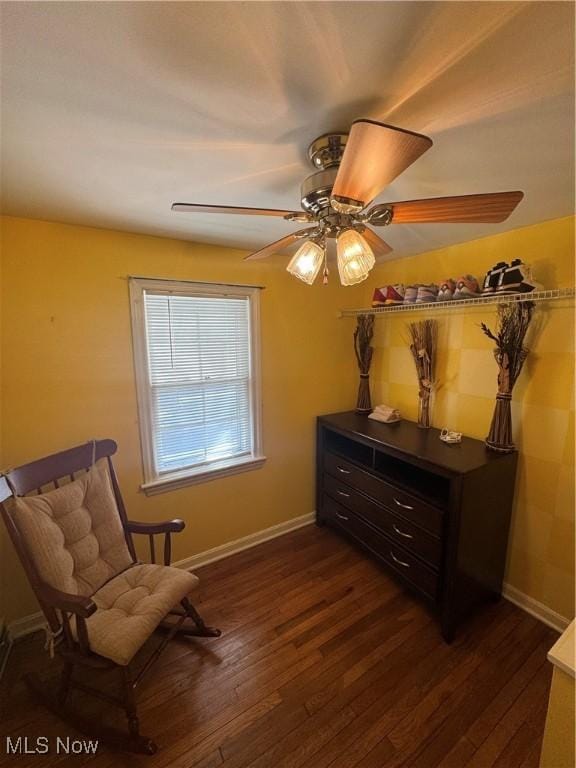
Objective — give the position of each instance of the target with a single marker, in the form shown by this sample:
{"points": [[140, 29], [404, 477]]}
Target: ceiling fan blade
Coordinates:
{"points": [[379, 247], [194, 208], [490, 208], [375, 155], [278, 245]]}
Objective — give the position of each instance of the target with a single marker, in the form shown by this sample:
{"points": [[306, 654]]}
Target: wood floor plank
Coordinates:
{"points": [[380, 756], [464, 707], [531, 703], [505, 698], [324, 662], [411, 673], [240, 750], [303, 742], [459, 755]]}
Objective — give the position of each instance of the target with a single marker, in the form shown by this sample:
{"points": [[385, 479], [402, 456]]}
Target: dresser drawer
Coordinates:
{"points": [[395, 556], [401, 502], [398, 529], [344, 470]]}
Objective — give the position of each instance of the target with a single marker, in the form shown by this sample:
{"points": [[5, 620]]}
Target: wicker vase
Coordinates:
{"points": [[510, 355], [363, 350], [423, 337], [424, 410], [364, 403], [500, 435]]}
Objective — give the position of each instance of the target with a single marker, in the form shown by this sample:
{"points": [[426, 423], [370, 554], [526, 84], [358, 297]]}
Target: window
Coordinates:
{"points": [[198, 380]]}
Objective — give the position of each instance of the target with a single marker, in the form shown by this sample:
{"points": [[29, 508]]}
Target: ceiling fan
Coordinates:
{"points": [[351, 171]]}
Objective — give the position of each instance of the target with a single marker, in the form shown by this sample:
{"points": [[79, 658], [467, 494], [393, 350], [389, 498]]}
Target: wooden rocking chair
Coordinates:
{"points": [[101, 604]]}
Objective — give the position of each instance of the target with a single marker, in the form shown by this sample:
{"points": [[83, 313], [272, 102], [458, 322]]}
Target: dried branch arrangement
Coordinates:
{"points": [[424, 342], [364, 351], [510, 354]]}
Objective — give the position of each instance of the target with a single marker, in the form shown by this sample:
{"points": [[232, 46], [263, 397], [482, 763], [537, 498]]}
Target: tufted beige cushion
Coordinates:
{"points": [[75, 537], [131, 606], [74, 533]]}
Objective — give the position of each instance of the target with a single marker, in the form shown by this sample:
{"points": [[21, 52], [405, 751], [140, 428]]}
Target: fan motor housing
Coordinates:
{"points": [[325, 154], [316, 190], [326, 151]]}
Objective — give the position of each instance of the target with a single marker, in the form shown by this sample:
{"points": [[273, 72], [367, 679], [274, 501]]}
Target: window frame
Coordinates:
{"points": [[160, 483]]}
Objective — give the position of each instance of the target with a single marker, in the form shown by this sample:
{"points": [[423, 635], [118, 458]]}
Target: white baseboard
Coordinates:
{"points": [[238, 545], [26, 625], [535, 608], [36, 621]]}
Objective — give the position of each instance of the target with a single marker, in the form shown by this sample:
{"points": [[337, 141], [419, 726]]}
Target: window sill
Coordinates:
{"points": [[204, 475]]}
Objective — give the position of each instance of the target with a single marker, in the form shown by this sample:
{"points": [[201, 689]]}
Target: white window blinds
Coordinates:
{"points": [[199, 378], [196, 356]]}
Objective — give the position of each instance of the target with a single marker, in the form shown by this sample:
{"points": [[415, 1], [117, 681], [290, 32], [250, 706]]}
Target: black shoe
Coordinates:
{"points": [[512, 278], [518, 279], [493, 277]]}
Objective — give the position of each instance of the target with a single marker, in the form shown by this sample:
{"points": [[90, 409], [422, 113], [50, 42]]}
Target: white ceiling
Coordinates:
{"points": [[112, 111]]}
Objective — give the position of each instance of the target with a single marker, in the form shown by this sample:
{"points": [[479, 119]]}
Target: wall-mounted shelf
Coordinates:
{"points": [[536, 296]]}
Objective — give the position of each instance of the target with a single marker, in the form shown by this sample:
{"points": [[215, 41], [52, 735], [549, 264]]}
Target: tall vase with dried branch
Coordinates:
{"points": [[510, 353], [424, 341], [364, 350]]}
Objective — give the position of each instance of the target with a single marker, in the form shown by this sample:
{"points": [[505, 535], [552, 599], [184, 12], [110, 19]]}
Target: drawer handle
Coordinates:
{"points": [[400, 562], [402, 533], [399, 503], [342, 517], [344, 471], [341, 493]]}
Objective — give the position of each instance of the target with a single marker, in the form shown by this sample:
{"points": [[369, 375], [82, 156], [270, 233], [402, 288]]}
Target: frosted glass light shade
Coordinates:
{"points": [[355, 257], [306, 262]]}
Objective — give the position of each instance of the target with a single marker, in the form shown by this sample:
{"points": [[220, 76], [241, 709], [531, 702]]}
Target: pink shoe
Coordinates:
{"points": [[379, 297], [395, 294]]}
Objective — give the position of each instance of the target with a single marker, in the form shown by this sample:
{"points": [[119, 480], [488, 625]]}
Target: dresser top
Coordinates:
{"points": [[406, 437]]}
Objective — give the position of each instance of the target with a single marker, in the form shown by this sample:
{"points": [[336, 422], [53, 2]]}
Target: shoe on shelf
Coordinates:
{"points": [[517, 279], [466, 287], [492, 279], [379, 296], [411, 294], [395, 294], [427, 294], [528, 283], [446, 290]]}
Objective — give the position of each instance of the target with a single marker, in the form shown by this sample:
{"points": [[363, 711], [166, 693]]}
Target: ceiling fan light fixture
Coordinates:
{"points": [[307, 261], [355, 257]]}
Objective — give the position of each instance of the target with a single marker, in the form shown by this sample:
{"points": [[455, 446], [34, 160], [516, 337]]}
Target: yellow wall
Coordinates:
{"points": [[68, 372], [558, 746], [3, 542], [68, 376], [541, 550]]}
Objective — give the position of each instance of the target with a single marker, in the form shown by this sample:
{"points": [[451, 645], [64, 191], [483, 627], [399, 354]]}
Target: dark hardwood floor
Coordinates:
{"points": [[324, 662]]}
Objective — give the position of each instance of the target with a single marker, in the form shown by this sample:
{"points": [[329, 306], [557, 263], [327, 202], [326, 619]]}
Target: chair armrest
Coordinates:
{"points": [[168, 526], [150, 529], [80, 605]]}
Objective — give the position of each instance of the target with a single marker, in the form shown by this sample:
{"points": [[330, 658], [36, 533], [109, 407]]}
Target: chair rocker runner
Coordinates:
{"points": [[101, 604]]}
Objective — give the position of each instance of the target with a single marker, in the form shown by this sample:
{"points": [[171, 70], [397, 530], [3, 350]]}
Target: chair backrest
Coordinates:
{"points": [[33, 523]]}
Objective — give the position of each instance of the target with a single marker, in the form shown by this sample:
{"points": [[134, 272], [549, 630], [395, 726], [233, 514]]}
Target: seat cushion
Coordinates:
{"points": [[74, 534], [130, 607]]}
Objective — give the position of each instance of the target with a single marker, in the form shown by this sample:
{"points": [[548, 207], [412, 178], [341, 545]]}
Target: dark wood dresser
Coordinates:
{"points": [[436, 515]]}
